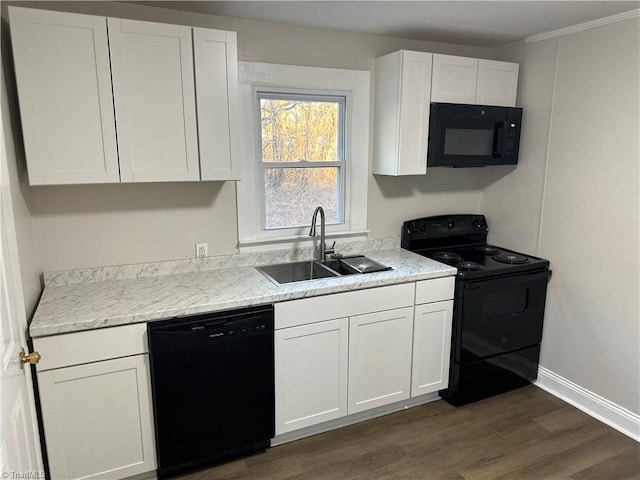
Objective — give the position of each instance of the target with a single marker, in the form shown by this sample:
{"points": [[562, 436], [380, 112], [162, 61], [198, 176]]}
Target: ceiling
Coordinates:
{"points": [[480, 23]]}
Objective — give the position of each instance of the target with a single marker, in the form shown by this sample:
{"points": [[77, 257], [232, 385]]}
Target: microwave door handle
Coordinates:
{"points": [[498, 132]]}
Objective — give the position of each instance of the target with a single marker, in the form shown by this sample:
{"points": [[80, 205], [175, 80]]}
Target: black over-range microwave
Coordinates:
{"points": [[473, 135]]}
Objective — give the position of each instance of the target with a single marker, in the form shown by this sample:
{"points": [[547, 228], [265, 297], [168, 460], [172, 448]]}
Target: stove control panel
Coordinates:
{"points": [[425, 229]]}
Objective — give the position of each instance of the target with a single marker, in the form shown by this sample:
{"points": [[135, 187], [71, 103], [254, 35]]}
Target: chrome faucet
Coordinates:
{"points": [[323, 250]]}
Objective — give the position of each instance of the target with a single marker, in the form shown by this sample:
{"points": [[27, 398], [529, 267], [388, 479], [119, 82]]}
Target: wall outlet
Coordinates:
{"points": [[202, 250]]}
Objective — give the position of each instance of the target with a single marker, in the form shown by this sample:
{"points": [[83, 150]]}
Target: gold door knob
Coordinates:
{"points": [[32, 358]]}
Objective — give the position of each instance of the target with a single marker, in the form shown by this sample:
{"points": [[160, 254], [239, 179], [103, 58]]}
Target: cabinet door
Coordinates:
{"points": [[497, 83], [454, 79], [401, 122], [64, 90], [431, 347], [154, 94], [311, 374], [98, 419], [216, 74], [414, 113], [379, 358]]}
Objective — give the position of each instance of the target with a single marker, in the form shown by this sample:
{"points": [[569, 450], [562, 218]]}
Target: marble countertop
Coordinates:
{"points": [[111, 301]]}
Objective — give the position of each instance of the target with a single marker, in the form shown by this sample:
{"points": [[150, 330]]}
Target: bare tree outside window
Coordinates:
{"points": [[302, 158]]}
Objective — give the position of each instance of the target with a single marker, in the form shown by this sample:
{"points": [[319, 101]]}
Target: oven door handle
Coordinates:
{"points": [[521, 277]]}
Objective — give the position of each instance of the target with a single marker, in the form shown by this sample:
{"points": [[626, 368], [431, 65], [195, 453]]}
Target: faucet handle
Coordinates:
{"points": [[330, 250]]}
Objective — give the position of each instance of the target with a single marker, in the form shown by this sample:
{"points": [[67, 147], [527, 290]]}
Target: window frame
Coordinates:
{"points": [[341, 98], [355, 86]]}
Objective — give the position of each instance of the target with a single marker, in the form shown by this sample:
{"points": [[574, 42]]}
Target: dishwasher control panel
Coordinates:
{"points": [[206, 328]]}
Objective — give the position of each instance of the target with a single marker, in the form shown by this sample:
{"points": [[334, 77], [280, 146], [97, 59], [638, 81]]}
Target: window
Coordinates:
{"points": [[301, 157], [305, 143]]}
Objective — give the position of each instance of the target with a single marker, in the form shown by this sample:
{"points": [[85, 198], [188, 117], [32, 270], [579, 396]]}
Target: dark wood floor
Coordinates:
{"points": [[524, 434]]}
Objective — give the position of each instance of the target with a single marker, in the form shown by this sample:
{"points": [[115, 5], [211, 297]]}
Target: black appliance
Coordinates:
{"points": [[498, 305], [212, 379], [473, 135]]}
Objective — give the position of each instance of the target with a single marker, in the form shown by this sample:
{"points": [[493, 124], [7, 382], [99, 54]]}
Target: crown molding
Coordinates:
{"points": [[584, 26]]}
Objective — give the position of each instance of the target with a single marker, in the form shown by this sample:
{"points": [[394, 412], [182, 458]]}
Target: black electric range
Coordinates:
{"points": [[461, 241], [498, 306]]}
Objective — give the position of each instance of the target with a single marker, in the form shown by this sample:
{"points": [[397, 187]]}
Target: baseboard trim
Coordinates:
{"points": [[353, 418], [592, 404]]}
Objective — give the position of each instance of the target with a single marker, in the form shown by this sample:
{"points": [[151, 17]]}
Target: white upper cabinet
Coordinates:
{"points": [[454, 79], [174, 91], [216, 72], [401, 126], [153, 85], [497, 83], [469, 80], [64, 89]]}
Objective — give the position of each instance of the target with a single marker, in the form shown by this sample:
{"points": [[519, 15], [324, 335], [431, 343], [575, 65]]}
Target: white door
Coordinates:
{"points": [[19, 441], [66, 103], [454, 79], [379, 358], [154, 95], [311, 374], [431, 347]]}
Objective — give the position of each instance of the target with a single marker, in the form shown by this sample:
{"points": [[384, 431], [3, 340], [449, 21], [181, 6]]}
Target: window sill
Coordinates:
{"points": [[298, 241]]}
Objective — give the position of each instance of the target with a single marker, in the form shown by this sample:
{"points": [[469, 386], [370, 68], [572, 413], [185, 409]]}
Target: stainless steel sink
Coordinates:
{"points": [[296, 271], [339, 267], [282, 273]]}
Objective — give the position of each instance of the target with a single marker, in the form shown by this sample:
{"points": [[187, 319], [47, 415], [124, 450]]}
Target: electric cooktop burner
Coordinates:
{"points": [[488, 250], [469, 266], [447, 256], [511, 258]]}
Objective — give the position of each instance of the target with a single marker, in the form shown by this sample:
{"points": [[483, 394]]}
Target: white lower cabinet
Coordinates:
{"points": [[311, 383], [324, 346], [345, 353], [379, 358], [431, 347], [96, 406], [98, 419]]}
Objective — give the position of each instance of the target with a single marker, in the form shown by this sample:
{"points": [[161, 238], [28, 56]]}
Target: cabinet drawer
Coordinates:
{"points": [[327, 307], [94, 345], [435, 290]]}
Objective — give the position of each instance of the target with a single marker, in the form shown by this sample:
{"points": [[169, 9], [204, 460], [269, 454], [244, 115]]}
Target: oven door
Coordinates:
{"points": [[499, 315], [470, 136]]}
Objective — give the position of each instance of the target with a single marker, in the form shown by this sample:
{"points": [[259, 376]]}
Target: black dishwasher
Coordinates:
{"points": [[212, 377]]}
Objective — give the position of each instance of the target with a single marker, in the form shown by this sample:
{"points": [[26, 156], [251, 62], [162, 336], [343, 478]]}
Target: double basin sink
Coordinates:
{"points": [[282, 273]]}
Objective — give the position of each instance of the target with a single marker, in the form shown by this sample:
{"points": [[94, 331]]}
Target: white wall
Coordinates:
{"points": [[574, 199], [590, 214], [85, 226], [515, 223]]}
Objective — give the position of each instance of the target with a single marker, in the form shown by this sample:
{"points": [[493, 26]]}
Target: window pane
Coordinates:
{"points": [[292, 194], [295, 130]]}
